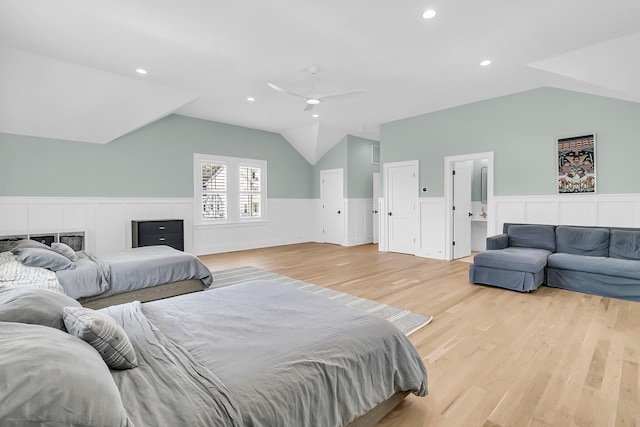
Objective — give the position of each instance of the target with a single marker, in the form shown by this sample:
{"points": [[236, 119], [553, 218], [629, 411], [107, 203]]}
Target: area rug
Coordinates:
{"points": [[407, 321]]}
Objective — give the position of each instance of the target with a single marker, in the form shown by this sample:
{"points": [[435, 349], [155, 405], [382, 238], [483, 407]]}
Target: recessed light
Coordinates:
{"points": [[315, 115], [251, 99], [141, 71], [313, 101], [485, 63], [428, 14]]}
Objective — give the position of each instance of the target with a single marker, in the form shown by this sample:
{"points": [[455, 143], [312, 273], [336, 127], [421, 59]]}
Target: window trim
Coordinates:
{"points": [[233, 165]]}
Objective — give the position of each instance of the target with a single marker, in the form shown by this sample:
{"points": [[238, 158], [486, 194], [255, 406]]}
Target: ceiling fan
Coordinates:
{"points": [[313, 99]]}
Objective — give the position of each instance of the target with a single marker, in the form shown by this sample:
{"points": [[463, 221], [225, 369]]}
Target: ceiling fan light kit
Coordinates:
{"points": [[312, 99]]}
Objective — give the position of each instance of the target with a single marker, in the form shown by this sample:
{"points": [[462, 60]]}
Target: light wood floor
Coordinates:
{"points": [[494, 357]]}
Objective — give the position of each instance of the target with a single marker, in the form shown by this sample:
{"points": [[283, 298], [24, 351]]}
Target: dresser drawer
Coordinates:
{"points": [[159, 227], [170, 239]]}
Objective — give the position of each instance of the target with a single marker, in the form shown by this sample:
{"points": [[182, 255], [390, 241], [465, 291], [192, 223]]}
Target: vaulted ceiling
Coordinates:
{"points": [[68, 67]]}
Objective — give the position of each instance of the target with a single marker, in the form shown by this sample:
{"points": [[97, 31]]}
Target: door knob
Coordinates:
{"points": [[389, 213], [338, 211], [375, 212], [470, 214]]}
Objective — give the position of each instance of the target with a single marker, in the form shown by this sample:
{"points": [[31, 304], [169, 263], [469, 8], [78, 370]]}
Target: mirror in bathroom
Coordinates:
{"points": [[483, 185]]}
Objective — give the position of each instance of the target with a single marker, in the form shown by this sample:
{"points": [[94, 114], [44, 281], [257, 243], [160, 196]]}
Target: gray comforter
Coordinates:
{"points": [[264, 354], [116, 272]]}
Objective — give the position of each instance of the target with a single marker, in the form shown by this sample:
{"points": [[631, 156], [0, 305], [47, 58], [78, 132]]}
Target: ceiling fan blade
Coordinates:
{"points": [[279, 89], [335, 95], [309, 107]]}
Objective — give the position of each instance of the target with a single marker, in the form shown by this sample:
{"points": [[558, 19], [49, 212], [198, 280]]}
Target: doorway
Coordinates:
{"points": [[487, 207]]}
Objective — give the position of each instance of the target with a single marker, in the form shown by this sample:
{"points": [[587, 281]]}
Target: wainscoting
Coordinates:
{"points": [[107, 222], [359, 221], [621, 210]]}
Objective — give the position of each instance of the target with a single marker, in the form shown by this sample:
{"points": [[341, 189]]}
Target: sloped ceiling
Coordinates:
{"points": [[67, 68]]}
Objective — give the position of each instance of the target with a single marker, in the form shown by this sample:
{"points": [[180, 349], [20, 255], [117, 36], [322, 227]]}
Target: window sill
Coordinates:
{"points": [[236, 223]]}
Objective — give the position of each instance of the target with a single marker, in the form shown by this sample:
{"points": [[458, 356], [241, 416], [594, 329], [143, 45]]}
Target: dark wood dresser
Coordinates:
{"points": [[168, 232]]}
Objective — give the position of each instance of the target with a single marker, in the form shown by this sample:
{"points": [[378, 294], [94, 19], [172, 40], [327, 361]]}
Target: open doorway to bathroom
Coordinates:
{"points": [[475, 222]]}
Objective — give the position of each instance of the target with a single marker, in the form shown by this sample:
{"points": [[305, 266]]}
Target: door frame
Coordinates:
{"points": [[375, 211], [449, 161], [384, 232]]}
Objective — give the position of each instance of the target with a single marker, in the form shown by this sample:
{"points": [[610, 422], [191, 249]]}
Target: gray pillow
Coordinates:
{"points": [[45, 258], [590, 241], [103, 333], [28, 243], [50, 378], [65, 250], [34, 305], [624, 244], [535, 236]]}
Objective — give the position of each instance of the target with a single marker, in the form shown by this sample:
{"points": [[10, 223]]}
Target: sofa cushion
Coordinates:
{"points": [[529, 260], [624, 244], [582, 240], [600, 265], [532, 236]]}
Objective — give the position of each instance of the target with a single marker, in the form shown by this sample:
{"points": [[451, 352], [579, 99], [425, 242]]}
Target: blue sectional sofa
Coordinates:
{"points": [[596, 260]]}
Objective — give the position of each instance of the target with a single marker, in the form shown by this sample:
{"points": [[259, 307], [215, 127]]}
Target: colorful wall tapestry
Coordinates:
{"points": [[577, 164]]}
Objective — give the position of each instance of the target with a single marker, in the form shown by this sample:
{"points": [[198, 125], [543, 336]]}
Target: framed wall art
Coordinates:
{"points": [[577, 164]]}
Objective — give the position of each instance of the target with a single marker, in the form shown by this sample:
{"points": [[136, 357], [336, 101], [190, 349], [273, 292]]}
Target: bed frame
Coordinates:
{"points": [[147, 294], [373, 417]]}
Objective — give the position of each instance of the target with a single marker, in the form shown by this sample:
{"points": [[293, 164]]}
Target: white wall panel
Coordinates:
{"points": [[432, 227], [618, 213], [79, 216], [577, 213], [111, 227], [507, 211], [289, 221], [359, 221], [14, 218], [160, 210], [541, 212], [43, 216]]}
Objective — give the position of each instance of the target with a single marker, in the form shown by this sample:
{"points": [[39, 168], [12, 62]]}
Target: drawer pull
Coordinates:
{"points": [[162, 239], [162, 227]]}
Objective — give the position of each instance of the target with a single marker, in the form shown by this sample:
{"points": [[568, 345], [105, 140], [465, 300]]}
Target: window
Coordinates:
{"points": [[214, 191], [375, 154], [250, 194], [229, 189]]}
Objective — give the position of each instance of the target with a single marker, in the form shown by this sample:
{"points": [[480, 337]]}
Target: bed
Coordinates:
{"points": [[253, 354], [86, 277]]}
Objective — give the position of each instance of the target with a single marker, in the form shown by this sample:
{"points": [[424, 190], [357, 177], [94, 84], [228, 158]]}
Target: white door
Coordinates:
{"points": [[331, 197], [402, 198], [374, 207], [461, 210]]}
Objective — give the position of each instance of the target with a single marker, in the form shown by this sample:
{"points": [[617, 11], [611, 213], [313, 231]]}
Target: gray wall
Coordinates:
{"points": [[360, 168], [353, 155], [336, 158], [154, 161], [521, 130]]}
